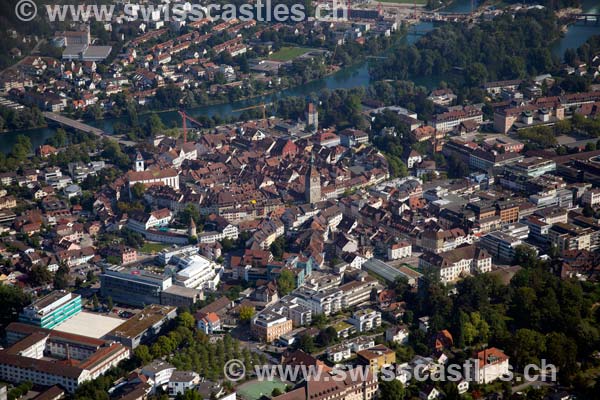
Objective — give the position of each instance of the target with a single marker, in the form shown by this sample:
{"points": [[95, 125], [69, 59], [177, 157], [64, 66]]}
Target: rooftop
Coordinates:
{"points": [[142, 321], [89, 324]]}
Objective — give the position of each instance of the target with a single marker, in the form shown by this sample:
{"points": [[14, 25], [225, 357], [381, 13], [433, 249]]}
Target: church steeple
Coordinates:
{"points": [[192, 228], [139, 162], [312, 182]]}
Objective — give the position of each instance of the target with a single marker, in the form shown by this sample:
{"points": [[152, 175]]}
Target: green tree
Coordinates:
{"points": [[22, 147], [278, 247], [561, 351], [60, 139], [90, 277], [319, 320], [526, 256], [327, 336], [476, 74], [391, 390], [191, 394], [451, 391], [246, 313], [12, 301], [527, 346], [137, 190], [286, 282], [142, 353], [154, 125], [39, 275], [109, 303], [475, 329], [61, 277], [306, 344], [186, 319], [95, 302]]}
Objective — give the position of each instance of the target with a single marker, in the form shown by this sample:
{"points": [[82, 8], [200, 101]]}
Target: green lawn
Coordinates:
{"points": [[419, 2], [253, 390], [288, 53], [153, 247]]}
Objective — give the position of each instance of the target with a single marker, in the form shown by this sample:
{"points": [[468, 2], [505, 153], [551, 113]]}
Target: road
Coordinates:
{"points": [[535, 384]]}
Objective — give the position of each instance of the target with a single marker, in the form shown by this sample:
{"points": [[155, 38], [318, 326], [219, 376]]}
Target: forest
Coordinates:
{"points": [[535, 316], [504, 48]]}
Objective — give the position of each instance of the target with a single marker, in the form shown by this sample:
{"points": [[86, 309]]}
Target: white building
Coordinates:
{"points": [[197, 271], [325, 302], [489, 365], [339, 353], [397, 334], [141, 222], [447, 121], [365, 320], [229, 232], [181, 381], [451, 265], [152, 177], [159, 371], [26, 360], [591, 197], [399, 250], [209, 323]]}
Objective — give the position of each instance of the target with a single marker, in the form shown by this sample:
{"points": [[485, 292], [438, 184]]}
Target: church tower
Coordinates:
{"points": [[192, 228], [312, 182], [139, 162], [312, 117]]}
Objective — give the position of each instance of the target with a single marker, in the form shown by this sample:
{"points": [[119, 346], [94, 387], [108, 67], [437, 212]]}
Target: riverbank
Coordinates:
{"points": [[353, 76]]}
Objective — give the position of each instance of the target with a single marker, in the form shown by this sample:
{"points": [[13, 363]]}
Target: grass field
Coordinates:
{"points": [[153, 247], [419, 2], [288, 53], [253, 390]]}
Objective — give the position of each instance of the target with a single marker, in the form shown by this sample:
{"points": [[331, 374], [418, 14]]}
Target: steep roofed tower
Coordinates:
{"points": [[312, 117], [312, 183], [139, 162]]}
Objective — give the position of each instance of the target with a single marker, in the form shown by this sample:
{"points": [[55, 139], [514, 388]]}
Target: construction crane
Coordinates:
{"points": [[184, 118], [333, 55], [261, 105]]}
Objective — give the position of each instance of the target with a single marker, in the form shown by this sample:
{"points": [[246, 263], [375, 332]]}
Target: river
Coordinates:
{"points": [[354, 76]]}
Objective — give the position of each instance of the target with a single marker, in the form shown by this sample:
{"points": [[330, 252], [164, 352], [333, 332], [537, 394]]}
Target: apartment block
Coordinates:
{"points": [[52, 309]]}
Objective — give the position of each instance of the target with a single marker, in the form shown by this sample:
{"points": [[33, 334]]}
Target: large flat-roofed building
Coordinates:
{"points": [[138, 287], [51, 309], [501, 245], [179, 296], [45, 357], [357, 292], [93, 325], [269, 325], [132, 286], [532, 167], [570, 237], [143, 326]]}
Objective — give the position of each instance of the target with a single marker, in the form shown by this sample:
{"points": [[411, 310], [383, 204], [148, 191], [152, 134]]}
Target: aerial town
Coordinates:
{"points": [[402, 197]]}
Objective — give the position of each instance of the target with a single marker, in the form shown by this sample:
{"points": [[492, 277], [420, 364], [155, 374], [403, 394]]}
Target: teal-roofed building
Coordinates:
{"points": [[52, 309]]}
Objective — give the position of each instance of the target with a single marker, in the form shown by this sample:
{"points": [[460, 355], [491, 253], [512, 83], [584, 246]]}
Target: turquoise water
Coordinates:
{"points": [[355, 76]]}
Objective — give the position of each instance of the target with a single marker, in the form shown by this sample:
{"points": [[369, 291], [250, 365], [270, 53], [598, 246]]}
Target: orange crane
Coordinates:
{"points": [[184, 118], [264, 111]]}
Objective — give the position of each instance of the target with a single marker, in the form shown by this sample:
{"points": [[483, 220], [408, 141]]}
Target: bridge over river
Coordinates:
{"points": [[83, 127]]}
